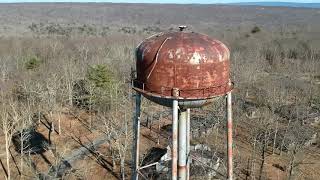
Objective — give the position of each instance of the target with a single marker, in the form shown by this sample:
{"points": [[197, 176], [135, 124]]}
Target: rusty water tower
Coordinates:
{"points": [[182, 70]]}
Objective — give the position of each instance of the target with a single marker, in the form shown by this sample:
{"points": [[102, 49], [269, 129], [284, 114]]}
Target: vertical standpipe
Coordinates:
{"points": [[136, 128], [175, 110], [229, 132], [182, 166]]}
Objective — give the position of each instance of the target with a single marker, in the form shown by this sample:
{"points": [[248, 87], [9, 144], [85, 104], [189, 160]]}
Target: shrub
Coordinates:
{"points": [[100, 76], [316, 55], [270, 56], [32, 63], [151, 29], [96, 91], [20, 94], [255, 29], [128, 30], [81, 94], [87, 29], [315, 101], [105, 30], [55, 29], [305, 49], [292, 54], [274, 53], [33, 27], [301, 51]]}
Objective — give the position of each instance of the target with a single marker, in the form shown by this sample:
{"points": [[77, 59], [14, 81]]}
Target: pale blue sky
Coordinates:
{"points": [[163, 1]]}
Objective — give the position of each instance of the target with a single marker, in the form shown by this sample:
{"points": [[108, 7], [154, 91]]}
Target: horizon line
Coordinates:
{"points": [[195, 3]]}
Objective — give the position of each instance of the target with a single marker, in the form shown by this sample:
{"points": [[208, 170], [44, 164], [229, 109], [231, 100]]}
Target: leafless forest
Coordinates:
{"points": [[66, 105]]}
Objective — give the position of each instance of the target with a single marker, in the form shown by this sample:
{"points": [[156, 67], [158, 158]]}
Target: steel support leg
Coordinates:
{"points": [[188, 143], [136, 128], [229, 132], [182, 167], [174, 139]]}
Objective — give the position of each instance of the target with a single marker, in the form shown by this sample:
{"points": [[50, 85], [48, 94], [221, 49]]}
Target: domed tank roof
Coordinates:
{"points": [[182, 65]]}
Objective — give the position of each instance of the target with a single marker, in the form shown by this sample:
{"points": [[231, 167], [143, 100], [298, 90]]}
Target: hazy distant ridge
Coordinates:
{"points": [[282, 4]]}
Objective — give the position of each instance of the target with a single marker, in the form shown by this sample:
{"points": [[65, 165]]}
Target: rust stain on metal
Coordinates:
{"points": [[194, 63]]}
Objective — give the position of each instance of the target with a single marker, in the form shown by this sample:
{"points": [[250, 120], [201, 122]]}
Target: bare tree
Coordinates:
{"points": [[10, 118]]}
